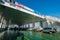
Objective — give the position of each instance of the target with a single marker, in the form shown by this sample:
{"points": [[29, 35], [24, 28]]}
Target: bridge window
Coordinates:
{"points": [[11, 1]]}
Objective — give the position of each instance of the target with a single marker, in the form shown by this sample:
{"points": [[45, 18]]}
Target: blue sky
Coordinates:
{"points": [[45, 7]]}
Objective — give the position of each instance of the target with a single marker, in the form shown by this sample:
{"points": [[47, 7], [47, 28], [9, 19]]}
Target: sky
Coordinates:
{"points": [[44, 7]]}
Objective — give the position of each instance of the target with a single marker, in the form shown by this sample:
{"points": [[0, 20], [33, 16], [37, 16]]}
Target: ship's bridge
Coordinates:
{"points": [[19, 15]]}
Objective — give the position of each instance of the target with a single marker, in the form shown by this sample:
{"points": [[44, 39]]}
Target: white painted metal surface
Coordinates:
{"points": [[50, 18]]}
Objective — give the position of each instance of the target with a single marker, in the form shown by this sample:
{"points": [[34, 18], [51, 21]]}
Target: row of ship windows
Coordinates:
{"points": [[13, 3]]}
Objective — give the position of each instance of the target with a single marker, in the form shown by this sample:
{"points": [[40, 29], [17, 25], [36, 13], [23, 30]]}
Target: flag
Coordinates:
{"points": [[20, 5]]}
